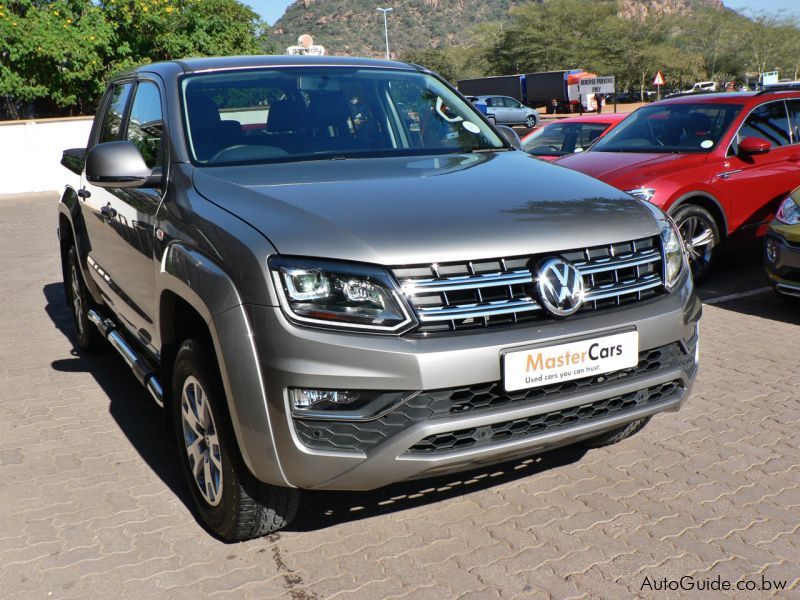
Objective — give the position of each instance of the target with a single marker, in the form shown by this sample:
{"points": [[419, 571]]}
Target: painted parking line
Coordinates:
{"points": [[747, 294]]}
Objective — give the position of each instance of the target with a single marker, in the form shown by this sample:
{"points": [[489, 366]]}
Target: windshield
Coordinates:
{"points": [[306, 113], [670, 128], [558, 139]]}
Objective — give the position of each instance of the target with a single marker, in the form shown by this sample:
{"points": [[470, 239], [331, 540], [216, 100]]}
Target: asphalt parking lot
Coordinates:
{"points": [[92, 504]]}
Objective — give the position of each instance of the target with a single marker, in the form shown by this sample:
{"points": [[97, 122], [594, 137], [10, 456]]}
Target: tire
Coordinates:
{"points": [[616, 435], [701, 237], [530, 121], [79, 302], [228, 499]]}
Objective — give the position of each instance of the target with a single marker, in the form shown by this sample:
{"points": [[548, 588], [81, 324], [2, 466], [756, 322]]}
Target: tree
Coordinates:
{"points": [[59, 54]]}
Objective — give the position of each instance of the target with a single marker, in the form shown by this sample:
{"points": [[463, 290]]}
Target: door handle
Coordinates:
{"points": [[108, 212], [794, 158], [727, 174]]}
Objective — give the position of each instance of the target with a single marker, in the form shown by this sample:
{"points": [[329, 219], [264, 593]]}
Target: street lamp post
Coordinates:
{"points": [[386, 28]]}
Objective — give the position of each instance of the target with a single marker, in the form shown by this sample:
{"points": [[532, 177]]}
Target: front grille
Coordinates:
{"points": [[545, 422], [488, 293], [474, 399]]}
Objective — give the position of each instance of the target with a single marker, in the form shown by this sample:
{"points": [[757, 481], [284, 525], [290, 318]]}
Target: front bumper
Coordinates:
{"points": [[782, 261], [417, 443]]}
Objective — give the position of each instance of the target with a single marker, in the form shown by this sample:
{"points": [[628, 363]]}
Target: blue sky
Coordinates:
{"points": [[271, 10]]}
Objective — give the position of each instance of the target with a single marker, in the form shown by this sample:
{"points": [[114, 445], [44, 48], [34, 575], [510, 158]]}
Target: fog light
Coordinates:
{"points": [[771, 251], [343, 405], [307, 398]]}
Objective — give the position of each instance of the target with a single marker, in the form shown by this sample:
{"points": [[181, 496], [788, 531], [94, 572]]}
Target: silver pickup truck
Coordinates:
{"points": [[335, 274]]}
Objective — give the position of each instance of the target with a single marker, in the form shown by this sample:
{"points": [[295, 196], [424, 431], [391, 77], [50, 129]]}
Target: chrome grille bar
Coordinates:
{"points": [[618, 262], [631, 286], [474, 311], [466, 282]]}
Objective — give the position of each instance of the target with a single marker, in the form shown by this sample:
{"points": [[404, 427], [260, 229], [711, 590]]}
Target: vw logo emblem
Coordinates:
{"points": [[559, 286]]}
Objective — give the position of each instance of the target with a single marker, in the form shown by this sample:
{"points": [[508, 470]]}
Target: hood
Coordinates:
{"points": [[629, 169], [407, 210]]}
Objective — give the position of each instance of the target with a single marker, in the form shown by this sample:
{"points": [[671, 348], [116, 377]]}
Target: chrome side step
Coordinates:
{"points": [[789, 290], [142, 369]]}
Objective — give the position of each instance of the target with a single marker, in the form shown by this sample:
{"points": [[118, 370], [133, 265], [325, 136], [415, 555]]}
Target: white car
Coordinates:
{"points": [[505, 110]]}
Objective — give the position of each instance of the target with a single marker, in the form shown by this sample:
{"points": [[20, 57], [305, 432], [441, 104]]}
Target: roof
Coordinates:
{"points": [[730, 97], [194, 65]]}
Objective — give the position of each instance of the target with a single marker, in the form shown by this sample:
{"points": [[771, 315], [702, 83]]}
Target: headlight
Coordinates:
{"points": [[643, 193], [789, 212], [339, 295], [674, 255]]}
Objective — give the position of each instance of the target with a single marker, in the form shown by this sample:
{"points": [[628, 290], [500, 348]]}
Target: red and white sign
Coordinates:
{"points": [[659, 80]]}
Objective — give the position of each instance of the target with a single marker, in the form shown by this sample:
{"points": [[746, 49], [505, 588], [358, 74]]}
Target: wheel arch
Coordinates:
{"points": [[197, 298], [707, 201]]}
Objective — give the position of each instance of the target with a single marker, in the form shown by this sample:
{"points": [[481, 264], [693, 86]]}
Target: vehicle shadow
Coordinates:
{"points": [[131, 407], [142, 423], [321, 509]]}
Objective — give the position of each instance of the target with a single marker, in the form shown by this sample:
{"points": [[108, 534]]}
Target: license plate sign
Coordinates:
{"points": [[535, 367]]}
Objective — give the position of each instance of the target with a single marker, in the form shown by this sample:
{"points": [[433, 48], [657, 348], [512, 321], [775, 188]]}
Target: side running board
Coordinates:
{"points": [[140, 367]]}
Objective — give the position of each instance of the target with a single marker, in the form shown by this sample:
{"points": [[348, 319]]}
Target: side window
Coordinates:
{"points": [[511, 103], [146, 125], [794, 119], [112, 119], [769, 123]]}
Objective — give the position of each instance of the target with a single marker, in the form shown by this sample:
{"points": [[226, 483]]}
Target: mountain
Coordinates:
{"points": [[355, 27]]}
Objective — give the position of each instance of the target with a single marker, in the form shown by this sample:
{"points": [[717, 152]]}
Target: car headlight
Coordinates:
{"points": [[642, 193], [339, 295], [789, 212], [674, 254]]}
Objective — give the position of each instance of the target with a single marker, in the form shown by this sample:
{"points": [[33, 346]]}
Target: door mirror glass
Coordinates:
{"points": [[753, 145], [117, 165]]}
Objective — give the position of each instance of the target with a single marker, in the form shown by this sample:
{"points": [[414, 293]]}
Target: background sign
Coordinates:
{"points": [[659, 80], [305, 47], [596, 85], [769, 78]]}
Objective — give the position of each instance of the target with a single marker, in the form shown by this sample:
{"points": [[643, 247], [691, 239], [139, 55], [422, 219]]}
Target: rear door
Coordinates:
{"points": [[754, 185]]}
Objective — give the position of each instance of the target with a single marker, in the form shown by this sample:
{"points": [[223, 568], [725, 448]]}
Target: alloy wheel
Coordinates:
{"points": [[77, 298], [700, 240], [201, 439]]}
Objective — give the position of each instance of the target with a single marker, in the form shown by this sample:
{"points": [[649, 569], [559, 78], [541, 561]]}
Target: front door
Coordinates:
{"points": [[123, 222], [754, 185]]}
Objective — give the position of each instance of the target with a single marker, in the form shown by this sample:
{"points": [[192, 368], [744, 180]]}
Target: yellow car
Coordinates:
{"points": [[782, 247]]}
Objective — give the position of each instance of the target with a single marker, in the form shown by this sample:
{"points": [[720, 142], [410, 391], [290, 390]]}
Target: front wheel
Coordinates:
{"points": [[701, 238], [530, 121], [88, 337], [232, 503]]}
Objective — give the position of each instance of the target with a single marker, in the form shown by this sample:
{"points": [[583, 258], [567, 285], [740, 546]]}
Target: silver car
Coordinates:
{"points": [[508, 111], [335, 274]]}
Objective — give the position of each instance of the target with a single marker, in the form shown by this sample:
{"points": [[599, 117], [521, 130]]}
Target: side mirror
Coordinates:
{"points": [[510, 136], [73, 159], [753, 145], [119, 165]]}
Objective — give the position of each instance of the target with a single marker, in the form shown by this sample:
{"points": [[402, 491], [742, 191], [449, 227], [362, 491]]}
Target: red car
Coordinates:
{"points": [[718, 163], [565, 136]]}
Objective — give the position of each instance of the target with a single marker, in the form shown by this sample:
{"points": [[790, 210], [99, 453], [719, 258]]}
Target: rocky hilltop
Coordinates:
{"points": [[355, 26]]}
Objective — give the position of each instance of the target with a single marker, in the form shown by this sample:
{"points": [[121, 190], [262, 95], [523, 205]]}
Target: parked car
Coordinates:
{"points": [[782, 247], [565, 136], [508, 111], [718, 163], [326, 304], [702, 87]]}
